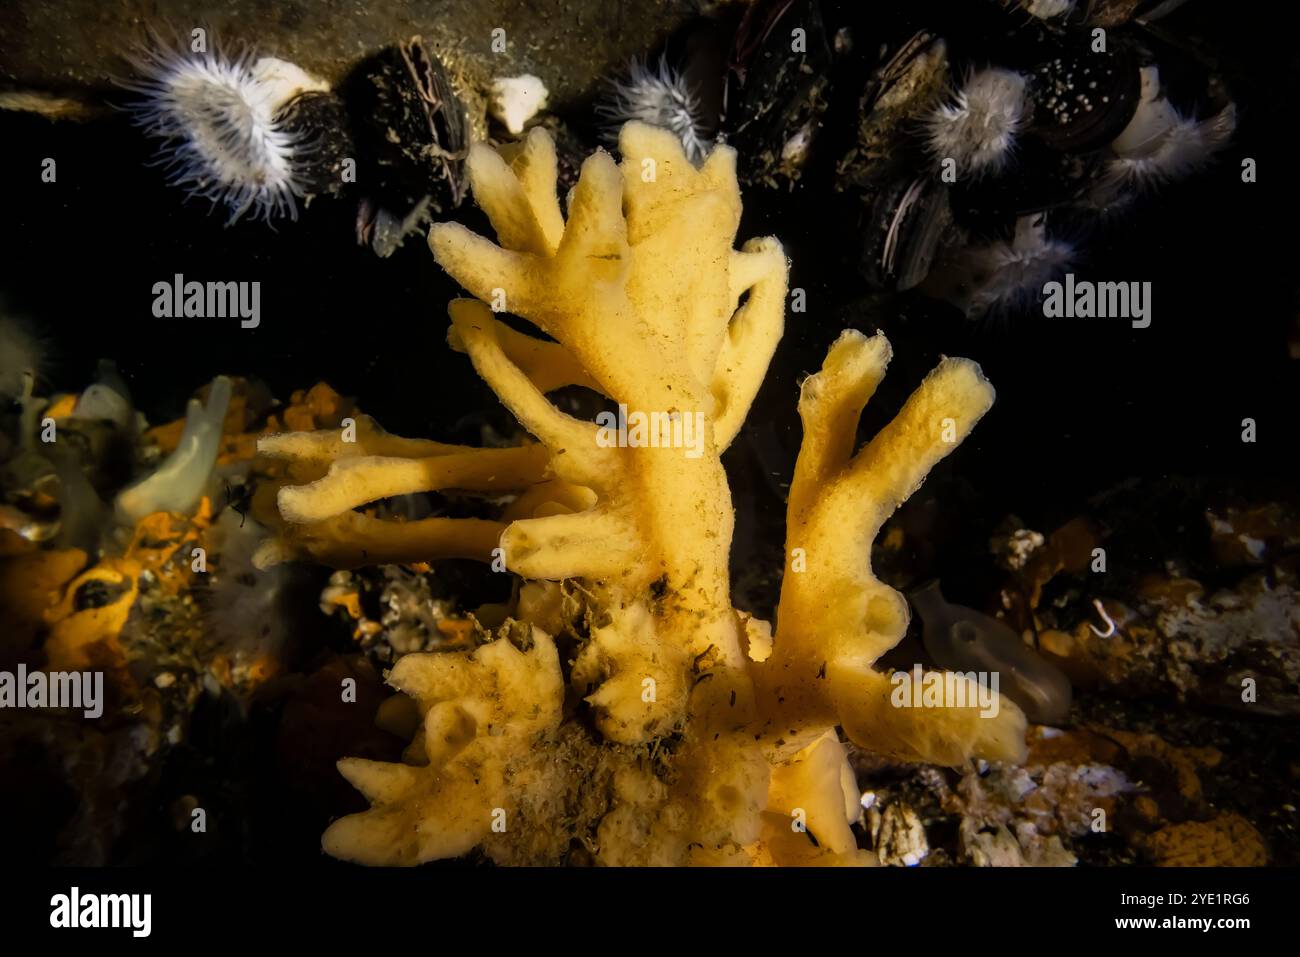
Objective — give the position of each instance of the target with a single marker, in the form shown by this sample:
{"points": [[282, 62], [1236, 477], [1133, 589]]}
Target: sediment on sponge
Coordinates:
{"points": [[713, 730]]}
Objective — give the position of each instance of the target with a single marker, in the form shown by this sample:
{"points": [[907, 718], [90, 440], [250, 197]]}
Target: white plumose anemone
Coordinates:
{"points": [[218, 120], [978, 127], [997, 279], [1161, 145], [661, 97]]}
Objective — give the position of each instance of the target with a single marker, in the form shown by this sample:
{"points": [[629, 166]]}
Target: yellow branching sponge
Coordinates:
{"points": [[678, 730], [359, 464]]}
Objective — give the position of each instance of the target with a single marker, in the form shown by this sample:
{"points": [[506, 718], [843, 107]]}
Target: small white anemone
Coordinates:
{"points": [[1160, 145], [999, 278], [977, 128], [659, 96], [217, 120]]}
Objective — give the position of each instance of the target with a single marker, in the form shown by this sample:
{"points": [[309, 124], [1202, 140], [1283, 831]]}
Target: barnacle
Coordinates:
{"points": [[1049, 9], [703, 737]]}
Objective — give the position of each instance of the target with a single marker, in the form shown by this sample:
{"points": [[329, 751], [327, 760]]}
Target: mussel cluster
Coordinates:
{"points": [[980, 141], [414, 135], [1087, 119], [974, 143]]}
